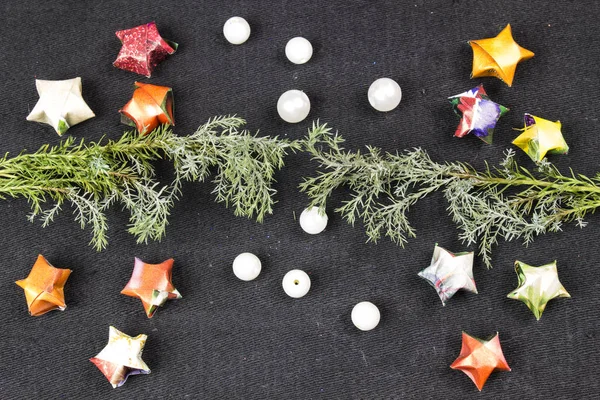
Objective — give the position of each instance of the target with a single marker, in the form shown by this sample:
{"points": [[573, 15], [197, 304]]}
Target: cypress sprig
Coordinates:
{"points": [[91, 177], [506, 202]]}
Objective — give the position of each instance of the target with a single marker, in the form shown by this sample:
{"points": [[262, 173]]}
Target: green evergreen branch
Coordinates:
{"points": [[91, 177], [508, 202]]}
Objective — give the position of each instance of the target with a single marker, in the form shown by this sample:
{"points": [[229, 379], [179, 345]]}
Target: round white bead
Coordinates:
{"points": [[236, 30], [313, 222], [384, 94], [365, 316], [298, 50], [246, 266], [296, 283], [293, 106]]}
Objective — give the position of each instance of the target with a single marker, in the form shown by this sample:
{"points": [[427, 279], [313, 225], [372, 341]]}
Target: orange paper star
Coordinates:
{"points": [[44, 287], [151, 283], [498, 56], [149, 107], [479, 358]]}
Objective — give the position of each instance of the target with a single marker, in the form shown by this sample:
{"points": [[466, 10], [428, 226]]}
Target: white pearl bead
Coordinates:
{"points": [[296, 283], [246, 266], [365, 316], [298, 50], [311, 221], [236, 30], [385, 94], [293, 106]]}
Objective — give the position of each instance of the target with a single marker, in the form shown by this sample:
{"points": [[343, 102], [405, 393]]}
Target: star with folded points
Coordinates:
{"points": [[44, 287], [151, 283], [479, 114], [61, 104], [143, 49], [479, 358], [149, 107], [537, 286], [121, 357], [498, 56], [541, 136], [448, 273]]}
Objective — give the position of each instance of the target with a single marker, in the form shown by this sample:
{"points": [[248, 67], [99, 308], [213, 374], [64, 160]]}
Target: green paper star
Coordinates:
{"points": [[537, 286]]}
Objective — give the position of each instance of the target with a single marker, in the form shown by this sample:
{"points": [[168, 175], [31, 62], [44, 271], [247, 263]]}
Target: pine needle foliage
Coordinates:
{"points": [[91, 177], [506, 202]]}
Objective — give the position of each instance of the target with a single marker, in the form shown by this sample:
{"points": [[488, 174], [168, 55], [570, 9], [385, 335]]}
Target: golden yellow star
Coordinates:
{"points": [[539, 137], [498, 56]]}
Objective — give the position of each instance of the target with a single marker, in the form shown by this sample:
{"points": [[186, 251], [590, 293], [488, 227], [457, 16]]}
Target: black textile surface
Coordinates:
{"points": [[228, 339]]}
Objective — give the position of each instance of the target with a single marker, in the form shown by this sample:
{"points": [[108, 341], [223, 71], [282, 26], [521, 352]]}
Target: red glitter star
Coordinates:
{"points": [[479, 358], [143, 49]]}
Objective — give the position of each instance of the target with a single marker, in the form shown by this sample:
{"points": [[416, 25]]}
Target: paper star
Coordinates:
{"points": [[479, 113], [151, 283], [449, 273], [498, 56], [541, 136], [537, 286], [60, 104], [479, 358], [143, 49], [44, 287], [122, 357], [149, 107]]}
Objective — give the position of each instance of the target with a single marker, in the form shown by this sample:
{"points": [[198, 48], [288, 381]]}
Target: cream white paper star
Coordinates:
{"points": [[121, 357], [60, 104]]}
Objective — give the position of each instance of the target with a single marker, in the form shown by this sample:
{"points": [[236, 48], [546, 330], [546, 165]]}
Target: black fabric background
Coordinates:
{"points": [[227, 339]]}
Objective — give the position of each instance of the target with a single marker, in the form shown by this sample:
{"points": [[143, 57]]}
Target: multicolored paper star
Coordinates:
{"points": [[121, 357], [449, 273], [498, 56], [479, 114], [44, 287], [537, 286], [479, 358], [151, 283], [143, 49], [61, 104], [149, 107], [540, 137]]}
